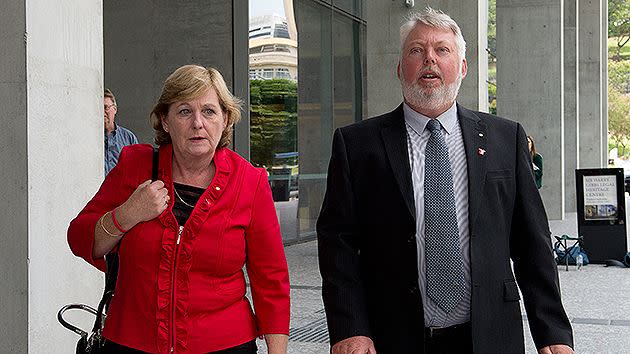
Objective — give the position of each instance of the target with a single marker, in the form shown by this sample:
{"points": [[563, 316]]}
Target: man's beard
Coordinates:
{"points": [[432, 98]]}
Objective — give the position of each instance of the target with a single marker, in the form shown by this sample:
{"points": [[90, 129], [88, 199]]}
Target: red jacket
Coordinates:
{"points": [[191, 296]]}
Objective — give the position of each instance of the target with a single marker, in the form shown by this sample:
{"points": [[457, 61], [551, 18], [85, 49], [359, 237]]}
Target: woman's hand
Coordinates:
{"points": [[277, 343], [147, 202]]}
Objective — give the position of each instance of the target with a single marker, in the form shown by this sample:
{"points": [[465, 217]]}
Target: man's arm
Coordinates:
{"points": [[339, 251], [534, 266]]}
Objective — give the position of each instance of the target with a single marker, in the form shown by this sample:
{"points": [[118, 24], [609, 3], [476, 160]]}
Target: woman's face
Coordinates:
{"points": [[195, 125], [529, 144]]}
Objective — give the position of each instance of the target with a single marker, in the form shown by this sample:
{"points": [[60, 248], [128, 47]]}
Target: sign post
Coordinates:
{"points": [[601, 205]]}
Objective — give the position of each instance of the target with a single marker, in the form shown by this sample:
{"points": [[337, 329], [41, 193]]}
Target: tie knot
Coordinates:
{"points": [[434, 125]]}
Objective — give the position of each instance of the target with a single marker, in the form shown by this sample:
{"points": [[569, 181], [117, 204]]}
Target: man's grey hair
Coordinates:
{"points": [[436, 19]]}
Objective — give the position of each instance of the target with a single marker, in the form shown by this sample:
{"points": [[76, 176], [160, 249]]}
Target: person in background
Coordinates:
{"points": [[184, 239], [537, 161], [116, 136], [430, 218]]}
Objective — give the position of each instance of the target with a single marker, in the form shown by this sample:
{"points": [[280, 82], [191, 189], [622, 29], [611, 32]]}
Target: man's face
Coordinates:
{"points": [[109, 109], [430, 69]]}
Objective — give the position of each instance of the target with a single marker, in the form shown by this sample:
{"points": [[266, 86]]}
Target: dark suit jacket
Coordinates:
{"points": [[367, 248]]}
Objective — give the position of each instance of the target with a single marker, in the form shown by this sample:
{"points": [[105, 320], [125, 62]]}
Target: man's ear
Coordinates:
{"points": [[398, 73], [464, 68]]}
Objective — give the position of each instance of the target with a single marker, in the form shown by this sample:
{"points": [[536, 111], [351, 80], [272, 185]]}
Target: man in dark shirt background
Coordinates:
{"points": [[116, 136]]}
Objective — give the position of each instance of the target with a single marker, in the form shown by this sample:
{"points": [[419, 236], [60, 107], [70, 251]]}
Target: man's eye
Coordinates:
{"points": [[416, 50], [444, 50]]}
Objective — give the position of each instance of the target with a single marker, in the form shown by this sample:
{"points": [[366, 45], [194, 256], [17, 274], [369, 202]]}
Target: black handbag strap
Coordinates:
{"points": [[156, 164], [111, 259]]}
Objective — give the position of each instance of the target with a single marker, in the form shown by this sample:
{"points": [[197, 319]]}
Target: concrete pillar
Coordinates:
{"points": [[604, 90], [145, 41], [571, 111], [530, 83], [52, 150], [591, 84], [383, 50], [14, 203]]}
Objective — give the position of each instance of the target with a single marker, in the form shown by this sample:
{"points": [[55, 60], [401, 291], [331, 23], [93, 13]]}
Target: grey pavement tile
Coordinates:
{"points": [[594, 297], [594, 321], [620, 323], [306, 306]]}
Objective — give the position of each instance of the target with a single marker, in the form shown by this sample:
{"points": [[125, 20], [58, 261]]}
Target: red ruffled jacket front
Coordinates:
{"points": [[189, 297]]}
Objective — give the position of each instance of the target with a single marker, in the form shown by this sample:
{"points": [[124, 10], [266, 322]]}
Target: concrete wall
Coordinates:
{"points": [[51, 82], [604, 91], [591, 84], [571, 109], [144, 41], [530, 83], [383, 50], [14, 189]]}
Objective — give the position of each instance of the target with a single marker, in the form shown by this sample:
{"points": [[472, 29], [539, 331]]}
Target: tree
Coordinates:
{"points": [[619, 23], [273, 119], [619, 75], [492, 30], [618, 122]]}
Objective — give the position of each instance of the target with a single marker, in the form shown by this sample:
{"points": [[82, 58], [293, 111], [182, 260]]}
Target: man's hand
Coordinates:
{"points": [[354, 345], [556, 349]]}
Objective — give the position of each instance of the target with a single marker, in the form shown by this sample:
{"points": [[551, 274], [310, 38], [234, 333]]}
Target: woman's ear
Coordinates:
{"points": [[164, 123]]}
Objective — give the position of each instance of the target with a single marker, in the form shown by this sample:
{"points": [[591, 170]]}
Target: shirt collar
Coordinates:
{"points": [[113, 133], [418, 121]]}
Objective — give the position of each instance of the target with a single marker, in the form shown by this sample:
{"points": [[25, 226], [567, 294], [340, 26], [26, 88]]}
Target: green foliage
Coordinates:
{"points": [[273, 119], [618, 119], [492, 107], [492, 98], [615, 53], [619, 23], [619, 75], [492, 30]]}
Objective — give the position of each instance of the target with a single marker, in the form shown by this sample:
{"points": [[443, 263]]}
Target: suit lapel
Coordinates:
{"points": [[475, 143], [394, 136]]}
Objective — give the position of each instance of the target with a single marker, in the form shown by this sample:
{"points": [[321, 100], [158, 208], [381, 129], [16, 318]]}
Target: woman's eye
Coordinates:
{"points": [[184, 111], [209, 111]]}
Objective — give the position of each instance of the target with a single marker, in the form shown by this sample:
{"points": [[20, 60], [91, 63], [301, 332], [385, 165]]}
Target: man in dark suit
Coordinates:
{"points": [[425, 207]]}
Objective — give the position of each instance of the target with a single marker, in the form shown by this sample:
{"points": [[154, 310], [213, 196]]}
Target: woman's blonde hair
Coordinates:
{"points": [[190, 82]]}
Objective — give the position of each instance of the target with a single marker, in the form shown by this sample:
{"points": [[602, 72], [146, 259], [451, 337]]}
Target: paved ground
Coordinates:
{"points": [[596, 299]]}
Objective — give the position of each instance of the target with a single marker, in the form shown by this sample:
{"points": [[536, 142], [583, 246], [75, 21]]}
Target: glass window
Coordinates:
{"points": [[291, 121], [353, 7], [315, 109]]}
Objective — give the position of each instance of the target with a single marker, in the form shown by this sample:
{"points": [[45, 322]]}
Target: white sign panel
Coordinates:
{"points": [[600, 197]]}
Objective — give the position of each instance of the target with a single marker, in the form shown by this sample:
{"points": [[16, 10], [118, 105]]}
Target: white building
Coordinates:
{"points": [[272, 51]]}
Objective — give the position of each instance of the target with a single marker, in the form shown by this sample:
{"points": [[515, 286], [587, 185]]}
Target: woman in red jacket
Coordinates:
{"points": [[187, 236]]}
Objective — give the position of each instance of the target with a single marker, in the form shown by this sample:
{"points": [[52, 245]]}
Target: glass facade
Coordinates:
{"points": [[307, 77]]}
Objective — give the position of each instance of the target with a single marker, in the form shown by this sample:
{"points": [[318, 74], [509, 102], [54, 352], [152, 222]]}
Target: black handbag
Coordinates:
{"points": [[93, 342]]}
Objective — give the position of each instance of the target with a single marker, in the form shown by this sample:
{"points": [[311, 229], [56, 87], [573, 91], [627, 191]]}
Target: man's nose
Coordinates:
{"points": [[429, 57]]}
